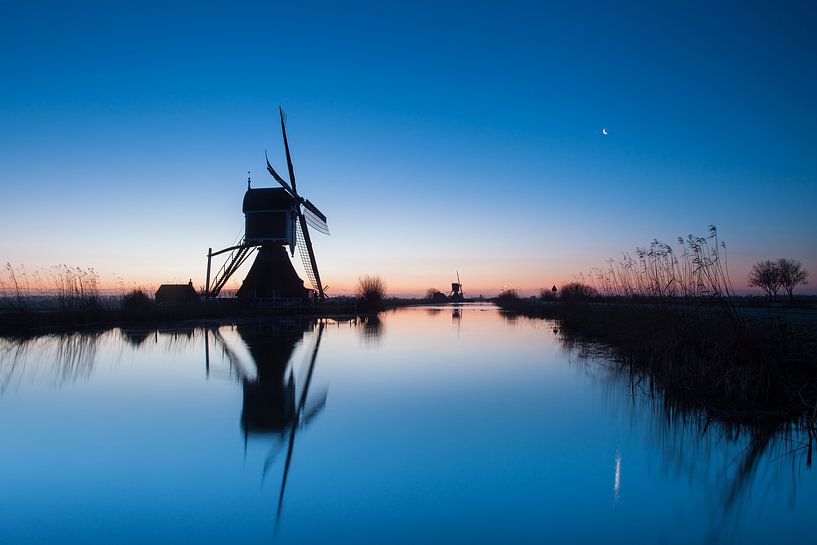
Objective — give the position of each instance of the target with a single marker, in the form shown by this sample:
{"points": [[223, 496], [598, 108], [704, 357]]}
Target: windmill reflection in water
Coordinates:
{"points": [[272, 405]]}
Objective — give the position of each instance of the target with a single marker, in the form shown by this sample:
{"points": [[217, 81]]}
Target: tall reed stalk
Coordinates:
{"points": [[75, 288], [699, 269]]}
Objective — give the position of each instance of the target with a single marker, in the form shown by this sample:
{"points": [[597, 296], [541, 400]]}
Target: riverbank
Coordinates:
{"points": [[746, 363], [30, 320]]}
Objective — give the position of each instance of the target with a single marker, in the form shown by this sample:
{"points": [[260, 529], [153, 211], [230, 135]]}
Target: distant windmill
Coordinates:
{"points": [[273, 218], [456, 290]]}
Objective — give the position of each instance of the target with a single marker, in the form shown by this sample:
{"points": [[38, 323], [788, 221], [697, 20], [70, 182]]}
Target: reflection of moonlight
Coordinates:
{"points": [[617, 478], [604, 132]]}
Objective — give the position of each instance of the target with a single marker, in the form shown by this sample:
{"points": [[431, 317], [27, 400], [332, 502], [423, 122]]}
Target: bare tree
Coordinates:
{"points": [[766, 275], [791, 274]]}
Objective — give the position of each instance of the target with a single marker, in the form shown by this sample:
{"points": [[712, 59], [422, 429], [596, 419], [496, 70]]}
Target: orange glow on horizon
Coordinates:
{"points": [[45, 281]]}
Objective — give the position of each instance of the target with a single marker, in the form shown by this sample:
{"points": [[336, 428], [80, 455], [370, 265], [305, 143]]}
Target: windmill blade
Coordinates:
{"points": [[310, 265], [286, 147], [314, 209], [314, 408], [316, 222], [275, 450], [276, 176], [305, 261]]}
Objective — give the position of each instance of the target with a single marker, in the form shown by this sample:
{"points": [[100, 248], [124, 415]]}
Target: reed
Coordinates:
{"points": [[14, 288], [698, 269], [670, 319], [75, 288], [697, 358]]}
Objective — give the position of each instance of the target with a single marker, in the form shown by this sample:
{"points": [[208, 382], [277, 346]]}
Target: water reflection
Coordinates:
{"points": [[58, 358], [617, 478], [738, 462], [741, 463], [137, 337], [371, 328], [497, 424], [270, 407]]}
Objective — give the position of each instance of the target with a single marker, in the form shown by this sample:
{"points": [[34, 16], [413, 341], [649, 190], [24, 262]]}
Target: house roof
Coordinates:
{"points": [[176, 292]]}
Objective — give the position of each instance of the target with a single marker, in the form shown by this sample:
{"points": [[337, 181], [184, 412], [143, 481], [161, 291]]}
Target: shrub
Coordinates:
{"points": [[576, 291], [508, 296], [548, 294], [136, 302], [371, 290], [435, 296]]}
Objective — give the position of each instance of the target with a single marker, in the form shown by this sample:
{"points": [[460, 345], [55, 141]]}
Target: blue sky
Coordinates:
{"points": [[435, 137]]}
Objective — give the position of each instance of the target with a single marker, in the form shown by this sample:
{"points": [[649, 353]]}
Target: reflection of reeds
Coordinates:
{"points": [[671, 319], [738, 462], [65, 358], [698, 358]]}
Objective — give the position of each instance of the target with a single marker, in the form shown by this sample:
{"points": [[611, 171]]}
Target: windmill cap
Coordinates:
{"points": [[271, 198]]}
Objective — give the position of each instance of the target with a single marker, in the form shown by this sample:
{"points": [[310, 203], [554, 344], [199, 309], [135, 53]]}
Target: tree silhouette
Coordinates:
{"points": [[791, 274], [766, 275]]}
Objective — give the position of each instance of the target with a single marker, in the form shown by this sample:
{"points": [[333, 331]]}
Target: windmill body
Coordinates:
{"points": [[274, 218], [269, 216]]}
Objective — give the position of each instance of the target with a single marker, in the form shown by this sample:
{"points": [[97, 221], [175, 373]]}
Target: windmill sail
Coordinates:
{"points": [[305, 248], [276, 175], [286, 148], [314, 209], [316, 222]]}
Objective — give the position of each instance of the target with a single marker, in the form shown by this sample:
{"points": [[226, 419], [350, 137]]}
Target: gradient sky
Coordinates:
{"points": [[435, 137]]}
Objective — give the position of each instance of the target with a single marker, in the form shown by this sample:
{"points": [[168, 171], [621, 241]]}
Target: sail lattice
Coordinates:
{"points": [[302, 249]]}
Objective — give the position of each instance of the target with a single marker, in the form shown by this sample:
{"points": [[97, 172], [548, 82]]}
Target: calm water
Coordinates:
{"points": [[430, 425]]}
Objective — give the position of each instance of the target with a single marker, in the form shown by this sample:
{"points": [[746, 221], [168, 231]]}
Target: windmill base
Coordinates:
{"points": [[272, 275]]}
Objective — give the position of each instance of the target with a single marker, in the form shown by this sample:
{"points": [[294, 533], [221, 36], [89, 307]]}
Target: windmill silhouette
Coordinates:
{"points": [[456, 290], [273, 218]]}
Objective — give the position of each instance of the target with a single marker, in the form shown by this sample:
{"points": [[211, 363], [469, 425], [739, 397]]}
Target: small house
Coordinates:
{"points": [[176, 294]]}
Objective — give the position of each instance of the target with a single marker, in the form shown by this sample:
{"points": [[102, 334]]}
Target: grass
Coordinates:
{"points": [[65, 298], [671, 321]]}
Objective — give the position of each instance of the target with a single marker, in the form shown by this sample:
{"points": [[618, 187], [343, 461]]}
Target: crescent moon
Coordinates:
{"points": [[604, 132]]}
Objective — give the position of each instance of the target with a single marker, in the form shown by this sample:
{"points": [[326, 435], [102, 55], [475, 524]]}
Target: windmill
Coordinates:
{"points": [[273, 218], [456, 290]]}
